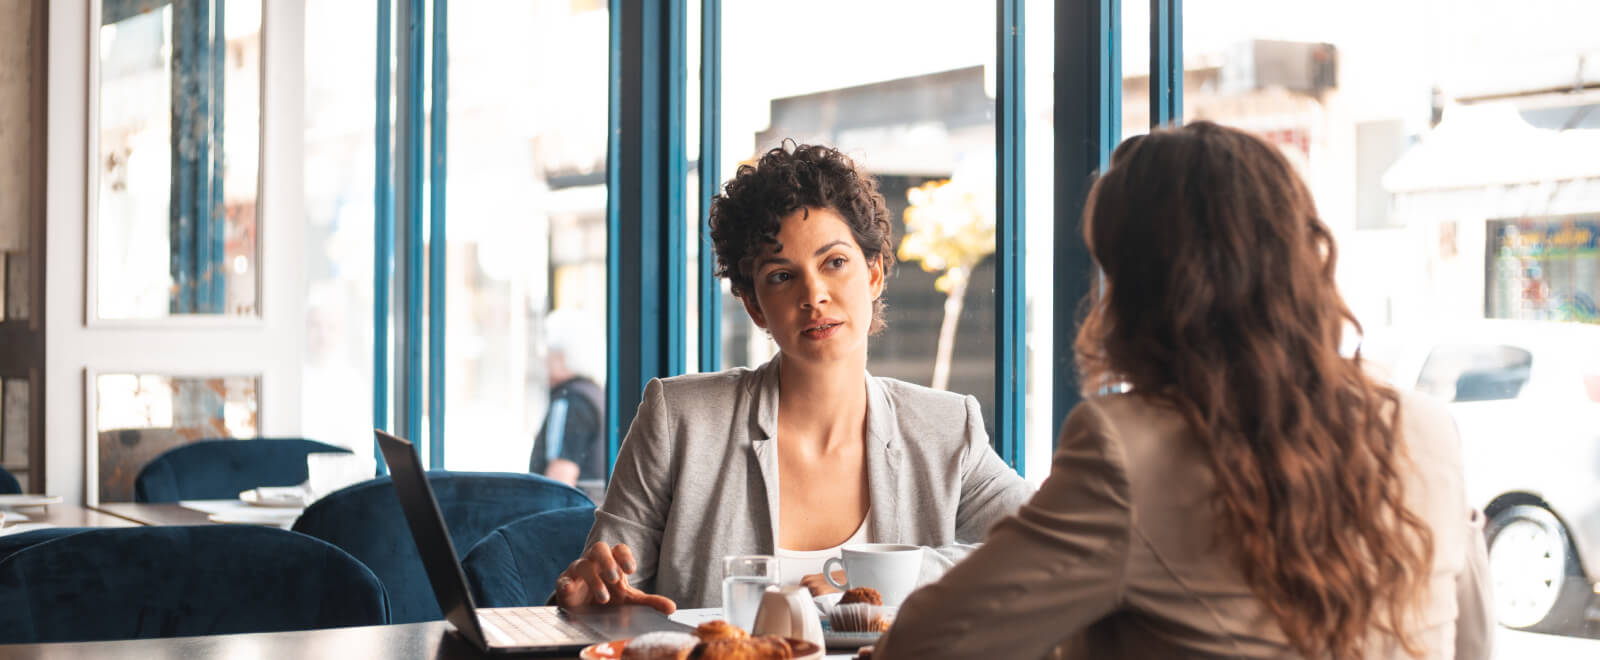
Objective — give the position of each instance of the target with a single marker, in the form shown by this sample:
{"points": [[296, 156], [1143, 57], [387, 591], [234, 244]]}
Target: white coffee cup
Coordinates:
{"points": [[329, 471], [889, 568]]}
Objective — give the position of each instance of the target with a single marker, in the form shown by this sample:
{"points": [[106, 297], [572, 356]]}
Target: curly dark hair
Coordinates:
{"points": [[746, 217]]}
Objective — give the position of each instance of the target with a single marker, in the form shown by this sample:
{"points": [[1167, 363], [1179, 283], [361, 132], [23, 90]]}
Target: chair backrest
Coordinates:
{"points": [[221, 469], [366, 521], [10, 543], [146, 582], [8, 484], [518, 563]]}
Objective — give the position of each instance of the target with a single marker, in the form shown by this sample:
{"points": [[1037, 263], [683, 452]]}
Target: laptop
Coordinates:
{"points": [[532, 630]]}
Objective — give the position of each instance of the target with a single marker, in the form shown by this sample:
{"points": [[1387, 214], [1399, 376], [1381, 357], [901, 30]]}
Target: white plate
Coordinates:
{"points": [[276, 517], [613, 650], [288, 498], [847, 640], [29, 500]]}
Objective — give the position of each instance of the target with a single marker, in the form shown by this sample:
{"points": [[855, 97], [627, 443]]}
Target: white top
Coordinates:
{"points": [[796, 564]]}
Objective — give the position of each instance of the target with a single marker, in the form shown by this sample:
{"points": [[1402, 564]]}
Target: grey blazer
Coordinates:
{"points": [[697, 478]]}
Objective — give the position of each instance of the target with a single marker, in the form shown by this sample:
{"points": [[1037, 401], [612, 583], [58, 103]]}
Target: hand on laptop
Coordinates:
{"points": [[599, 577]]}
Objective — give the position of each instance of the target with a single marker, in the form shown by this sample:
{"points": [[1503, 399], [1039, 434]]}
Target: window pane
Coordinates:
{"points": [[152, 262], [526, 276], [911, 98], [340, 75], [139, 416], [1451, 153], [1039, 216]]}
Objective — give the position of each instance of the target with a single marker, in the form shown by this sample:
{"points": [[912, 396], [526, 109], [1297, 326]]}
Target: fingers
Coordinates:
{"points": [[605, 565], [624, 558], [600, 576], [590, 585], [599, 569], [571, 591], [659, 603]]}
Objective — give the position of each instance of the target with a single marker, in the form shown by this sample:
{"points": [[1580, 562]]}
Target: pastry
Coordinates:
{"points": [[711, 631], [859, 617], [660, 646], [772, 647], [766, 647], [866, 595]]}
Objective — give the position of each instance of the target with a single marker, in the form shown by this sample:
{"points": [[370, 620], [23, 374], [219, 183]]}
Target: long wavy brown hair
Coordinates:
{"points": [[1219, 300]]}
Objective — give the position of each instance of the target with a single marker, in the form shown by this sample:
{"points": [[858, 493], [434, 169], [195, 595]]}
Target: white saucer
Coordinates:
{"points": [[266, 516], [27, 499], [292, 497], [847, 640]]}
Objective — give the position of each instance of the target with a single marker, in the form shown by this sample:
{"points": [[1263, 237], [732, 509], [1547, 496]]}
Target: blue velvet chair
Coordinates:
{"points": [[147, 582], [11, 543], [221, 469], [518, 563], [365, 520], [8, 484]]}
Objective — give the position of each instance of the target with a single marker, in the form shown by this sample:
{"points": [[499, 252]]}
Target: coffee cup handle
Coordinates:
{"points": [[827, 573]]}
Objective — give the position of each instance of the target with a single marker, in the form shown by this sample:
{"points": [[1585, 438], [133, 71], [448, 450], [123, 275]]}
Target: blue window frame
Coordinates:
{"points": [[647, 173], [398, 248]]}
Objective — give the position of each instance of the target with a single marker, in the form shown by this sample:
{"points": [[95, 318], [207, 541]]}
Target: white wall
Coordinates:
{"points": [[271, 348]]}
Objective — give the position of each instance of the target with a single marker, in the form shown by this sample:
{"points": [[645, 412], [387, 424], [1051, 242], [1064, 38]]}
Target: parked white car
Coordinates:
{"points": [[1526, 397]]}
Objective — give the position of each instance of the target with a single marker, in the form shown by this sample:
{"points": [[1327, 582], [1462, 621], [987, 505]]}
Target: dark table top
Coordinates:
{"points": [[406, 641]]}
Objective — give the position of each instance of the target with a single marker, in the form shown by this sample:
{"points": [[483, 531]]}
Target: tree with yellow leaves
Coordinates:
{"points": [[950, 228]]}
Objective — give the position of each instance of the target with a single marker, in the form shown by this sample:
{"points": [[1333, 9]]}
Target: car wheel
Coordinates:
{"points": [[1538, 584]]}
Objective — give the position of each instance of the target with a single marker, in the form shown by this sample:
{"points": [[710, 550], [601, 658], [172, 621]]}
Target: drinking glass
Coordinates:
{"points": [[744, 579]]}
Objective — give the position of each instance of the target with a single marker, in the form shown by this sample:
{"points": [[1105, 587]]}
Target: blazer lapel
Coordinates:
{"points": [[762, 448], [883, 466]]}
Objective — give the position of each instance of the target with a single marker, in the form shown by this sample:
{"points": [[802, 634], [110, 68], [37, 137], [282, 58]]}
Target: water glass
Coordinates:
{"points": [[744, 579]]}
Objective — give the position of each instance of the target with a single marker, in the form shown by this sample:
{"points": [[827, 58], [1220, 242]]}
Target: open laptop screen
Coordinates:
{"points": [[438, 553]]}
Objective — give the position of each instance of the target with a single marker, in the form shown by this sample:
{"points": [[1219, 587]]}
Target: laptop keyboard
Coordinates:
{"points": [[536, 626]]}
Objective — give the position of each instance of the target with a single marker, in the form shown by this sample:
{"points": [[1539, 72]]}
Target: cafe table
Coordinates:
{"points": [[429, 640], [158, 513]]}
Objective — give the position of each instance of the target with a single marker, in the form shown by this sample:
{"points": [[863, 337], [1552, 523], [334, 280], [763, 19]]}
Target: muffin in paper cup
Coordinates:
{"points": [[860, 617]]}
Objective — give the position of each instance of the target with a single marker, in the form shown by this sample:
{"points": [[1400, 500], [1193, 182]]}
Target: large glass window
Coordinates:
{"points": [[526, 275], [1451, 151], [908, 92], [340, 77]]}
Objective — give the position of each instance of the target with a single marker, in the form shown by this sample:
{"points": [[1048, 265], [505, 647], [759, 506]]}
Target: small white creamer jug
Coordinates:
{"points": [[788, 611]]}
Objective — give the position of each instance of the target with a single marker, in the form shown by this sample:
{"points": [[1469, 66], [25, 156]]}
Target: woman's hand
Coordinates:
{"points": [[599, 577], [819, 585]]}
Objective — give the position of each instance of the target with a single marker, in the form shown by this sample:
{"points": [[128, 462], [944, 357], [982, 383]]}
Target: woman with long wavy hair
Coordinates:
{"points": [[1246, 489]]}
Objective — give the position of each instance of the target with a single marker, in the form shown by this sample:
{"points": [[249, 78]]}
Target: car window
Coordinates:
{"points": [[1478, 372]]}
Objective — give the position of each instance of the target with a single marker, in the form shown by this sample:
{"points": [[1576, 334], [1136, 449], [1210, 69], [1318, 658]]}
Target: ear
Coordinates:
{"points": [[875, 278], [753, 308]]}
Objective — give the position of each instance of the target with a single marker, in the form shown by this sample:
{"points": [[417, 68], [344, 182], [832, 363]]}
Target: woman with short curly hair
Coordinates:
{"points": [[807, 452]]}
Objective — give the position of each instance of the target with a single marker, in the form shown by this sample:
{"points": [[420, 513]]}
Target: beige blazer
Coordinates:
{"points": [[1113, 557], [697, 478]]}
